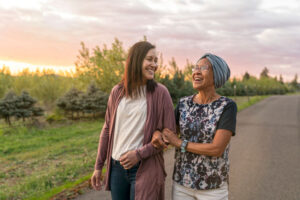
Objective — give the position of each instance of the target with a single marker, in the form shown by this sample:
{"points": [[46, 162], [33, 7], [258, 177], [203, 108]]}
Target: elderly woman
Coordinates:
{"points": [[206, 123]]}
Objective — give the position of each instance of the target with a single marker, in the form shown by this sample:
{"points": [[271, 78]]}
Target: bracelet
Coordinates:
{"points": [[183, 146]]}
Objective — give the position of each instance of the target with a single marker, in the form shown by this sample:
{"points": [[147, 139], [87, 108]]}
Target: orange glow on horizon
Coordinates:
{"points": [[16, 68]]}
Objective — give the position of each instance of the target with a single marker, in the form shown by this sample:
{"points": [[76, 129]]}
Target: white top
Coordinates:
{"points": [[129, 127]]}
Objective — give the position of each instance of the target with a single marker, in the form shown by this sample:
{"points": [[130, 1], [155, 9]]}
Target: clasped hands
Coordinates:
{"points": [[160, 139]]}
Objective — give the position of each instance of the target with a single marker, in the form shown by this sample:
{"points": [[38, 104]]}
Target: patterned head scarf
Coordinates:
{"points": [[220, 69]]}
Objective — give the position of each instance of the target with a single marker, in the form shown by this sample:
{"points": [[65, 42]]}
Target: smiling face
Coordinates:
{"points": [[149, 65], [204, 78]]}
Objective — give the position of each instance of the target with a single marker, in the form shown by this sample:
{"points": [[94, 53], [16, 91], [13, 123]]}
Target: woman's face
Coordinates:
{"points": [[149, 65], [203, 76]]}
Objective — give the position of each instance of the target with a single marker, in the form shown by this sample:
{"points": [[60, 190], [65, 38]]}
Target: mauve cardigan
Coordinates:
{"points": [[150, 177]]}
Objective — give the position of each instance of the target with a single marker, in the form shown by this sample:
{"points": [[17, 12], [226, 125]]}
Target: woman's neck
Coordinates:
{"points": [[206, 96]]}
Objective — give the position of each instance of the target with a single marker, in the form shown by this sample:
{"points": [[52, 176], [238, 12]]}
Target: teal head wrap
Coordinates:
{"points": [[220, 69]]}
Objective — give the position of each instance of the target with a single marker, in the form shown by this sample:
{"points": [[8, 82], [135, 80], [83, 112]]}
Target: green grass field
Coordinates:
{"points": [[243, 102], [36, 164], [33, 162]]}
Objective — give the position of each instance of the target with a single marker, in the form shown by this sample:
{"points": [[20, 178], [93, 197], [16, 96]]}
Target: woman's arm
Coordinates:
{"points": [[225, 129], [157, 138], [216, 148], [166, 119], [97, 177], [104, 136]]}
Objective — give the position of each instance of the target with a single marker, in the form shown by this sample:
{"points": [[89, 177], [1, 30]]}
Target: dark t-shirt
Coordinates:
{"points": [[227, 120]]}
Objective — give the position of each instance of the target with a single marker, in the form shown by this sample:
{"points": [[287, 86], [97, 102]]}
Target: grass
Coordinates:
{"points": [[40, 163], [294, 93], [34, 162], [59, 189], [244, 102]]}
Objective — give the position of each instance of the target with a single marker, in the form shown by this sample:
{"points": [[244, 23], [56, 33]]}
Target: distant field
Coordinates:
{"points": [[34, 162]]}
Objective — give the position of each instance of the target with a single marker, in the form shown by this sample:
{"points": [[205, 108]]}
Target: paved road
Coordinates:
{"points": [[264, 155]]}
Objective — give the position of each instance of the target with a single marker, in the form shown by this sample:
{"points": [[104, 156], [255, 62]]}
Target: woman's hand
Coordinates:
{"points": [[171, 137], [96, 180], [129, 159], [157, 140]]}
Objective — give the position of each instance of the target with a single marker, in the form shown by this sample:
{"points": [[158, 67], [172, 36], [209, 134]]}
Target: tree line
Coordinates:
{"points": [[105, 66], [99, 70]]}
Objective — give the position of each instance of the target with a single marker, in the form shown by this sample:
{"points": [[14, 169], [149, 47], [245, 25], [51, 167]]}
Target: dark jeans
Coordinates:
{"points": [[122, 181]]}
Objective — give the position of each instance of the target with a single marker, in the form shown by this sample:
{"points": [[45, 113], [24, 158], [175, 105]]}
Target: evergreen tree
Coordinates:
{"points": [[94, 100], [264, 73], [178, 86], [37, 111], [246, 76], [294, 82], [25, 107], [8, 106], [168, 82], [71, 102], [280, 79]]}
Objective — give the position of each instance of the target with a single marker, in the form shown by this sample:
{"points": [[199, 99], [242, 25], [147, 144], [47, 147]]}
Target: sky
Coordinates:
{"points": [[249, 35]]}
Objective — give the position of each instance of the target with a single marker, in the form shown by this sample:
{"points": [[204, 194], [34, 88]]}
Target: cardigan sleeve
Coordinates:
{"points": [[104, 136], [166, 120]]}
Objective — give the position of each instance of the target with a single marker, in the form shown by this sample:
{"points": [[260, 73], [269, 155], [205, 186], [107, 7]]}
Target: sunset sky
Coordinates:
{"points": [[249, 35]]}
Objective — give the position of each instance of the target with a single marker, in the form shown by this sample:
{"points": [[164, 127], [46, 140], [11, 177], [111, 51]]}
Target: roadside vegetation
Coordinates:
{"points": [[50, 123]]}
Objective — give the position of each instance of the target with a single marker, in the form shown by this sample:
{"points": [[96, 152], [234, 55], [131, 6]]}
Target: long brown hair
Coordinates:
{"points": [[133, 76]]}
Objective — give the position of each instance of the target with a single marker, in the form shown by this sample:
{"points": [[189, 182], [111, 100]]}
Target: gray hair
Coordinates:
{"points": [[220, 69]]}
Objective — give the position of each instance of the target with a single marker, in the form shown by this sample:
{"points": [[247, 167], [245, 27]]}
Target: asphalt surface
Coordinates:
{"points": [[264, 154]]}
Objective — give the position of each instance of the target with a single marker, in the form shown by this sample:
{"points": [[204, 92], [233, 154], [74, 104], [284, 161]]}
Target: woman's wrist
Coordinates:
{"points": [[177, 142]]}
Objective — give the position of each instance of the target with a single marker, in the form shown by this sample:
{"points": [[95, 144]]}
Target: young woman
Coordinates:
{"points": [[136, 108]]}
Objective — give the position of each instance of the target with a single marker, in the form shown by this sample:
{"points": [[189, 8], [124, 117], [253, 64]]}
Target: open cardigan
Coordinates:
{"points": [[150, 177]]}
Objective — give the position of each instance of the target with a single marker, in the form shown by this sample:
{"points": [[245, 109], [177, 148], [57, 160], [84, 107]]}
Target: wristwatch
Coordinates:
{"points": [[183, 146]]}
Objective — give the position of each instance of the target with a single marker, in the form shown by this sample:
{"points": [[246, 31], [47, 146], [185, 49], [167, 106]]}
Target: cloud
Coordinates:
{"points": [[248, 34]]}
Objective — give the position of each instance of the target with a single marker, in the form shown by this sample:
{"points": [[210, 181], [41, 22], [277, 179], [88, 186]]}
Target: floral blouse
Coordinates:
{"points": [[198, 123]]}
